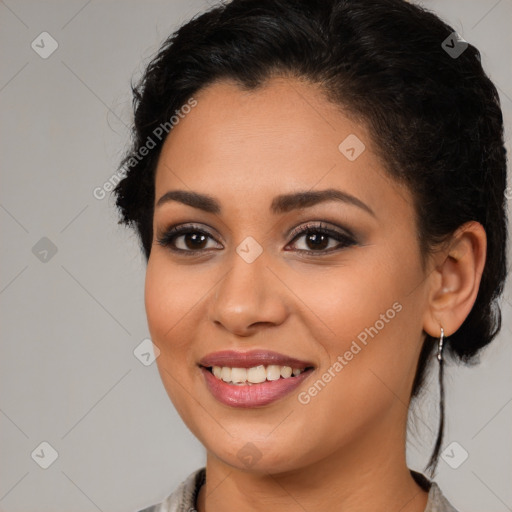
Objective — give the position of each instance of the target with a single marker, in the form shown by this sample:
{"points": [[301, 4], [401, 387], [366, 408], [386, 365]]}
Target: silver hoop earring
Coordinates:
{"points": [[440, 346]]}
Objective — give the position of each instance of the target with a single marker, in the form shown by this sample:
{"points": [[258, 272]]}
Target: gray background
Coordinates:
{"points": [[70, 324]]}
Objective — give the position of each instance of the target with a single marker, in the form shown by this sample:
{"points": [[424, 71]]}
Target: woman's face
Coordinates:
{"points": [[347, 304]]}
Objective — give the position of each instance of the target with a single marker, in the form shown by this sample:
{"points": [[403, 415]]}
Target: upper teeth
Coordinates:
{"points": [[254, 375]]}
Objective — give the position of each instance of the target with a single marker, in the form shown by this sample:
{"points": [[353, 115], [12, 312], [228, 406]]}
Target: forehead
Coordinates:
{"points": [[282, 136]]}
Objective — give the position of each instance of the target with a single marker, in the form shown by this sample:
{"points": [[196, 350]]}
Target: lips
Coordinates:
{"points": [[250, 359], [253, 394]]}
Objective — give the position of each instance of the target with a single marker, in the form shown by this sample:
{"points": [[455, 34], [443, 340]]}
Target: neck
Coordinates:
{"points": [[370, 473]]}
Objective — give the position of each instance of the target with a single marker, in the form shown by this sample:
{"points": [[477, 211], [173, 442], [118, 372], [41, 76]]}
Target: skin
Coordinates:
{"points": [[345, 449]]}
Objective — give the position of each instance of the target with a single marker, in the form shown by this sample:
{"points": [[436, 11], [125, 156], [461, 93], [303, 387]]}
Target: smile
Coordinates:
{"points": [[254, 375], [244, 380]]}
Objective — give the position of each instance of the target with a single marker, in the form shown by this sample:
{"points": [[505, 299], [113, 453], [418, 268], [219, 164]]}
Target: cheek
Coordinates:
{"points": [[368, 318], [169, 302], [169, 298], [346, 302], [169, 306]]}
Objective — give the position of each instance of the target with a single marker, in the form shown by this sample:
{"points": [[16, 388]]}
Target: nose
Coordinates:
{"points": [[249, 297]]}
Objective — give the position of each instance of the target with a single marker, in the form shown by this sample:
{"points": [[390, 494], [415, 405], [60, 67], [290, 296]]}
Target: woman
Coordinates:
{"points": [[319, 191]]}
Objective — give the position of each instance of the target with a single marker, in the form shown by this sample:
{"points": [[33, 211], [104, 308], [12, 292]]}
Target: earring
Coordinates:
{"points": [[440, 346], [440, 433]]}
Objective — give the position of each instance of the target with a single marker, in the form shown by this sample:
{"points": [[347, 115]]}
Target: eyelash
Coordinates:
{"points": [[166, 240]]}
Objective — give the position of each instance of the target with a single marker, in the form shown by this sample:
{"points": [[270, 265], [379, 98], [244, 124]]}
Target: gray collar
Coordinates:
{"points": [[184, 498]]}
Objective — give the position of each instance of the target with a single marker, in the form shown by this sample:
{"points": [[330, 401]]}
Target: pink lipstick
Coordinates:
{"points": [[252, 379]]}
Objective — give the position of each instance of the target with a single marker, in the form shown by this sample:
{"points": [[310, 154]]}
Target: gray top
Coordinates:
{"points": [[183, 499]]}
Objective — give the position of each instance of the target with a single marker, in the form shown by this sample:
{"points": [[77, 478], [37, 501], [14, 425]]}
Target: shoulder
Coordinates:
{"points": [[437, 502], [183, 499]]}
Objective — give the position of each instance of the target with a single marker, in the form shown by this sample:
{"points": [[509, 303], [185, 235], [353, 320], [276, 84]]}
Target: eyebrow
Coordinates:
{"points": [[280, 204]]}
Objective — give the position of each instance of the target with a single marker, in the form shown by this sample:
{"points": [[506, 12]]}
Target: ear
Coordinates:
{"points": [[455, 279]]}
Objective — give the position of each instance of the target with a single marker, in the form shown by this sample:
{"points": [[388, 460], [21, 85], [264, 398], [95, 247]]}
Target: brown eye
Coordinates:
{"points": [[319, 239], [185, 239], [194, 241]]}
